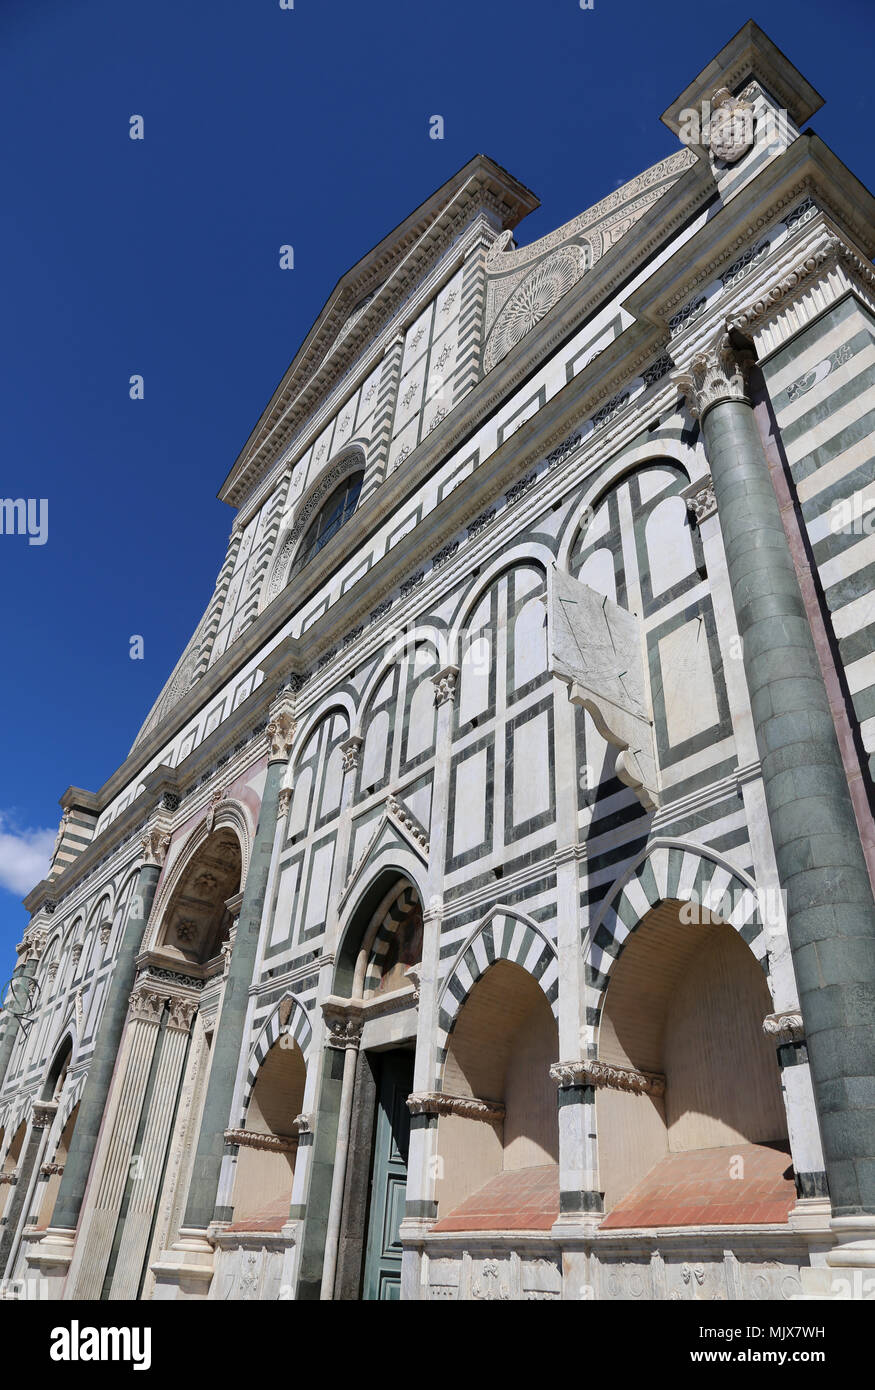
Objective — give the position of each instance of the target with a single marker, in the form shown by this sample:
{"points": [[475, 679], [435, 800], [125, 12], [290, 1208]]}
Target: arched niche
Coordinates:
{"points": [[268, 1141], [684, 1007], [492, 1155], [196, 923]]}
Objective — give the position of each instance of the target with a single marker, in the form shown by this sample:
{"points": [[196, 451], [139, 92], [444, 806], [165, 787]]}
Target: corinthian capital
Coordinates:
{"points": [[717, 373], [155, 843], [280, 734]]}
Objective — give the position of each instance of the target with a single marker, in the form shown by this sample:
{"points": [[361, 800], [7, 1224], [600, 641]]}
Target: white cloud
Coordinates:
{"points": [[25, 856]]}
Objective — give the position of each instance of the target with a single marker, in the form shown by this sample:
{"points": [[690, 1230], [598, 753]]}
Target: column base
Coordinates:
{"points": [[186, 1269], [48, 1255]]}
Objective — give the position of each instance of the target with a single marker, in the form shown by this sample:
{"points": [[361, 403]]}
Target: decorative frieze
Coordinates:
{"points": [[561, 452], [409, 585], [401, 814], [256, 1139], [521, 488], [480, 522], [381, 610], [446, 553], [610, 409], [467, 1107], [607, 1075]]}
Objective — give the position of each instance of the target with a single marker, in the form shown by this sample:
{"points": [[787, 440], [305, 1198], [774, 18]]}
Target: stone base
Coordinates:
{"points": [[185, 1271], [253, 1265], [47, 1258]]}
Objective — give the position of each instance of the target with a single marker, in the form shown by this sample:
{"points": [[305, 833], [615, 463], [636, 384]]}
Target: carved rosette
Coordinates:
{"points": [[349, 752], [605, 1074], [785, 1027], [718, 373], [445, 684], [467, 1107], [155, 843], [280, 735]]}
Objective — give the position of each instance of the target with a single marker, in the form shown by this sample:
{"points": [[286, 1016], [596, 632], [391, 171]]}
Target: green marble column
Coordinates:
{"points": [[106, 1046], [830, 910], [228, 1039], [23, 972]]}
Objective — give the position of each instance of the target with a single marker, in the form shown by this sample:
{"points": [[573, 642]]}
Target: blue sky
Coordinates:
{"points": [[262, 127]]}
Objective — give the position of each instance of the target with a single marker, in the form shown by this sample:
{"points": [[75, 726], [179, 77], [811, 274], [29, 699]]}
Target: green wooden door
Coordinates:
{"points": [[388, 1177]]}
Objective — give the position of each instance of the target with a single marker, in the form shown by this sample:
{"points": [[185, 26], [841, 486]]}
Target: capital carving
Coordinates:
{"points": [[8, 1179], [33, 944], [155, 843], [349, 751], [51, 1170], [716, 374], [785, 1027], [182, 1012], [280, 735], [445, 684], [43, 1113], [343, 1033], [700, 500], [147, 1004], [303, 1124], [467, 1107], [605, 1074]]}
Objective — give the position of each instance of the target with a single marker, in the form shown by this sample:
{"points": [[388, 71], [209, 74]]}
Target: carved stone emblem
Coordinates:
{"points": [[730, 131]]}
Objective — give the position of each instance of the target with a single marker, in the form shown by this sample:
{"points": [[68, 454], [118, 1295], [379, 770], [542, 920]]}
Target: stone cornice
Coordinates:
{"points": [[255, 1139], [607, 1075], [466, 1107]]}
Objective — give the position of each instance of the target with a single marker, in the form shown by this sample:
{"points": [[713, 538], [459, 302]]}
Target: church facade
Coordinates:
{"points": [[485, 908]]}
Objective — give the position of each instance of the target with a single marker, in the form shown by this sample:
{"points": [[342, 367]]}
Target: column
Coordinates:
{"points": [[106, 1048], [324, 1095], [29, 951], [830, 911], [230, 1036], [344, 1035], [27, 1174], [423, 1161]]}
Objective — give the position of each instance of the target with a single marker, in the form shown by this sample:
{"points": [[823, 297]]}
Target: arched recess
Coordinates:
{"points": [[289, 1019], [196, 922], [396, 944], [10, 1164], [677, 983], [370, 923], [351, 461], [504, 935], [498, 1131], [267, 1139], [67, 1093], [669, 869], [230, 819], [530, 553]]}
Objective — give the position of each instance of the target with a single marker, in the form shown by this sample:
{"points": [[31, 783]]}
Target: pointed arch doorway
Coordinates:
{"points": [[373, 970]]}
